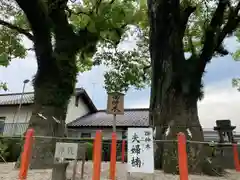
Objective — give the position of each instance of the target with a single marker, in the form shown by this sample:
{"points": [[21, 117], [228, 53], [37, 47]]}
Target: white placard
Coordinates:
{"points": [[140, 150], [66, 150]]}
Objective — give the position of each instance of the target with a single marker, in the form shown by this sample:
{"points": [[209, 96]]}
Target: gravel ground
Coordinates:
{"points": [[7, 172]]}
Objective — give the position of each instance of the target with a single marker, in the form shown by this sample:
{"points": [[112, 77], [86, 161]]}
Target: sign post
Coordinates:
{"points": [[140, 150], [115, 105], [71, 151]]}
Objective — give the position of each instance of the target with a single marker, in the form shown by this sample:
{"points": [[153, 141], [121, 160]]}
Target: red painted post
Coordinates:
{"points": [[123, 150], [113, 156], [182, 157], [97, 156], [26, 154], [236, 158]]}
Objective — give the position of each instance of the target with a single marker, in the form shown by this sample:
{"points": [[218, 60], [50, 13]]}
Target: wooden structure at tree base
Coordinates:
{"points": [[59, 171]]}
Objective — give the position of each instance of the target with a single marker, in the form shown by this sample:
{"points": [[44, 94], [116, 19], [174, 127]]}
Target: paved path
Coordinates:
{"points": [[7, 172]]}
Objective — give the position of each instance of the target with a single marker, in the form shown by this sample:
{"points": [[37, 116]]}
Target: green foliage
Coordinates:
{"points": [[3, 86], [11, 44], [89, 150], [236, 55], [236, 83], [109, 20], [3, 151], [10, 149], [126, 67], [119, 78]]}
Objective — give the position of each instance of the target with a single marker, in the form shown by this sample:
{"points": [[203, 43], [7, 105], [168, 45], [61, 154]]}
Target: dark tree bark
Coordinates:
{"points": [[55, 79], [176, 82]]}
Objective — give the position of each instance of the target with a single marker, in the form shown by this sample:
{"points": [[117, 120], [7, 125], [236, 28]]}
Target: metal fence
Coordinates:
{"points": [[11, 129]]}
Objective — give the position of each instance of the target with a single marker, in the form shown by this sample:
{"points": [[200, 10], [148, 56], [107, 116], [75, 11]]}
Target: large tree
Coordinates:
{"points": [[65, 37], [183, 36]]}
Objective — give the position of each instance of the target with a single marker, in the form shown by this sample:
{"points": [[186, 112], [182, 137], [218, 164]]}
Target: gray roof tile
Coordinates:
{"points": [[28, 98], [14, 99], [131, 117]]}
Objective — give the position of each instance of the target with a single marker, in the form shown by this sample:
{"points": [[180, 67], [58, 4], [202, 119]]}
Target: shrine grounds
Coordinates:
{"points": [[7, 172]]}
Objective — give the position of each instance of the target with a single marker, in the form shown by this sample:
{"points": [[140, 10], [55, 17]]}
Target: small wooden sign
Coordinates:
{"points": [[115, 104], [74, 151], [66, 150]]}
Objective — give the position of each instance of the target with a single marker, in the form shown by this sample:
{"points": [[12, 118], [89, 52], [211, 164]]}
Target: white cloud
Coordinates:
{"points": [[221, 101]]}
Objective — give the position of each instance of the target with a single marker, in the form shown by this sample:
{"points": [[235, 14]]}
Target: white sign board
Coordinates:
{"points": [[66, 150], [140, 150]]}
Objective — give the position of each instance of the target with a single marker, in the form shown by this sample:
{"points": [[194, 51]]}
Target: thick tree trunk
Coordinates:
{"points": [[175, 88], [43, 149], [183, 118], [52, 94], [55, 79], [54, 84]]}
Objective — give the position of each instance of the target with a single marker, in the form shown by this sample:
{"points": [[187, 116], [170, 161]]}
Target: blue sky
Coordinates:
{"points": [[221, 100]]}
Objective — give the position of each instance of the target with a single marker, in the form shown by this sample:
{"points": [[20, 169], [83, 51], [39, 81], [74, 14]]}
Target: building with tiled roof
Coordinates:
{"points": [[15, 122], [130, 118], [83, 118]]}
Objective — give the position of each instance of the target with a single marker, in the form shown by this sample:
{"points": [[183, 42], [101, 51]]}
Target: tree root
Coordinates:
{"points": [[212, 169]]}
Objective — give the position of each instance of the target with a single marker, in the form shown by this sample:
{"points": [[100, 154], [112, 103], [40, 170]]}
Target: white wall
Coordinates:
{"points": [[106, 133], [22, 117], [74, 111], [26, 112]]}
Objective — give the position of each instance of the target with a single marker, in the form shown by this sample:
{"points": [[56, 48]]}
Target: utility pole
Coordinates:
{"points": [[16, 115]]}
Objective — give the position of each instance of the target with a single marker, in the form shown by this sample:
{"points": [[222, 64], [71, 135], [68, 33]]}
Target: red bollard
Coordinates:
{"points": [[123, 151], [236, 158], [113, 156], [182, 157], [97, 156], [26, 154]]}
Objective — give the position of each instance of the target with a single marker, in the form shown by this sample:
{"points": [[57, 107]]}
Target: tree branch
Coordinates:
{"points": [[39, 23], [190, 42], [209, 43], [185, 14], [230, 26], [18, 29]]}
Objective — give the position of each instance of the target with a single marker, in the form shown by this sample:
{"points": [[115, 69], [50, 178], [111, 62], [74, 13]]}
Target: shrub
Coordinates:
{"points": [[89, 152], [3, 151], [10, 149]]}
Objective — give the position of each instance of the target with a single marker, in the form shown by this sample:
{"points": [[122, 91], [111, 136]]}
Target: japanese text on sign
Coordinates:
{"points": [[140, 150], [66, 150], [115, 103]]}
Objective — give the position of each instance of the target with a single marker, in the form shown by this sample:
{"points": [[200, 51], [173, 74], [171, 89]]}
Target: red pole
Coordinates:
{"points": [[182, 157], [97, 156], [236, 158], [113, 156], [123, 151], [26, 154]]}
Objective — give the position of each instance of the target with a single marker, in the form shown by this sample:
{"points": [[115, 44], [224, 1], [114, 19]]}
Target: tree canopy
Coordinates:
{"points": [[65, 36], [206, 25], [111, 20], [108, 20]]}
